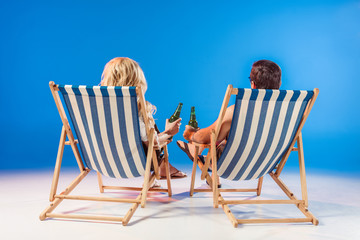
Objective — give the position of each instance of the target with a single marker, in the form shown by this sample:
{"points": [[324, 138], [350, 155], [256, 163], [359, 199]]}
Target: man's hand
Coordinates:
{"points": [[189, 132]]}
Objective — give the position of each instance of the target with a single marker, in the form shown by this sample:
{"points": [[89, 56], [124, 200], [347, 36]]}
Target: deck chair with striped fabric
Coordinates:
{"points": [[265, 127], [106, 123]]}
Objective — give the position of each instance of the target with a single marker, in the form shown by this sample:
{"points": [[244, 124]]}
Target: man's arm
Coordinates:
{"points": [[203, 135]]}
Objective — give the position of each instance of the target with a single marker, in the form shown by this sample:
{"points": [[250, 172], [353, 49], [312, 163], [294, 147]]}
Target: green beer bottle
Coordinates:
{"points": [[193, 121], [176, 115]]}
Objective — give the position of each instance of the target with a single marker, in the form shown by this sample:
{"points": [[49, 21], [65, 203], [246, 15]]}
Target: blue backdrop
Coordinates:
{"points": [[189, 51]]}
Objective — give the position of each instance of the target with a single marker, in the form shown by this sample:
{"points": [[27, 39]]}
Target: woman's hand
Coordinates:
{"points": [[189, 132], [172, 128]]}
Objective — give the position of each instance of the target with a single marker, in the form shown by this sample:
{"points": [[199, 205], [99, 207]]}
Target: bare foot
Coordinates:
{"points": [[174, 172], [189, 149]]}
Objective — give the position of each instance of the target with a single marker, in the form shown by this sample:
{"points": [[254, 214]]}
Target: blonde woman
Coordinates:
{"points": [[122, 71]]}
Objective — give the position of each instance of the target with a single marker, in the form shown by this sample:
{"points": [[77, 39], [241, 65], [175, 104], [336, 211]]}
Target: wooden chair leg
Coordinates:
{"points": [[302, 170], [214, 171], [149, 158], [68, 190], [156, 165], [131, 212], [207, 175], [287, 191], [259, 186], [228, 213], [101, 185], [193, 172], [215, 191], [167, 171], [205, 167], [58, 165]]}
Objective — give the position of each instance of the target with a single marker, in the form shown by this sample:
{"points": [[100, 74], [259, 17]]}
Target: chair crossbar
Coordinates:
{"points": [[238, 190], [102, 199], [261, 202], [134, 188], [85, 217], [69, 143], [274, 220], [226, 190], [202, 190]]}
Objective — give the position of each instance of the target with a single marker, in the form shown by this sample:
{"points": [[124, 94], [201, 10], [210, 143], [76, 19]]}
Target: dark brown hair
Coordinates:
{"points": [[266, 75]]}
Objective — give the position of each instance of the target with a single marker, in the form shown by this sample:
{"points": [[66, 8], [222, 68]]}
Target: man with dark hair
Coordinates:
{"points": [[264, 74]]}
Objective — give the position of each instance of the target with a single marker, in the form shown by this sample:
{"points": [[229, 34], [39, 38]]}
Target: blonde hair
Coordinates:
{"points": [[123, 71]]}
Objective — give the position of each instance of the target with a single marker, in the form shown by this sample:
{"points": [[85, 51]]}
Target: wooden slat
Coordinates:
{"points": [[234, 91], [223, 109], [71, 187], [55, 92], [59, 157], [301, 207], [100, 182], [149, 157], [260, 182], [261, 202], [202, 190], [193, 172], [238, 190], [167, 171], [228, 213], [205, 167], [214, 173], [226, 190], [69, 143], [131, 211], [275, 220], [85, 217], [102, 199], [283, 187], [302, 170], [134, 188], [156, 165]]}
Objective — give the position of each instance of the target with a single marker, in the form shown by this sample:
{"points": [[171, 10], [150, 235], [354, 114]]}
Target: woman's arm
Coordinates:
{"points": [[170, 130], [162, 138]]}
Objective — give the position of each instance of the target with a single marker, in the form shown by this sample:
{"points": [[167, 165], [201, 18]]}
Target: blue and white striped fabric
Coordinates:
{"points": [[106, 123], [263, 127]]}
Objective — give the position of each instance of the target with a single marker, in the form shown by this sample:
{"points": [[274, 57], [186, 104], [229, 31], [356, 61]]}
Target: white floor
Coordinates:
{"points": [[334, 200]]}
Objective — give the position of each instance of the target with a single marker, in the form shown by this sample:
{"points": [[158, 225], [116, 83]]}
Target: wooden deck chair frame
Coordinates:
{"points": [[302, 204], [200, 165], [209, 179], [149, 178]]}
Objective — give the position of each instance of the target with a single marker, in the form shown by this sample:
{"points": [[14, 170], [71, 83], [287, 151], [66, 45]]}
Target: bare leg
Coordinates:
{"points": [[189, 148]]}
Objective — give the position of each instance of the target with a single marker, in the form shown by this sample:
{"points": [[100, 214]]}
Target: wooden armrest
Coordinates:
{"points": [[160, 146]]}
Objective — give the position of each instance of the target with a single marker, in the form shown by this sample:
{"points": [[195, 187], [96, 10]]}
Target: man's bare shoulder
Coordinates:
{"points": [[229, 114]]}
